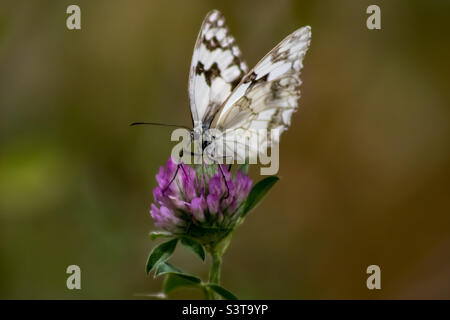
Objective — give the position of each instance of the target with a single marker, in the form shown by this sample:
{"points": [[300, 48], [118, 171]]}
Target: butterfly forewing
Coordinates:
{"points": [[216, 68]]}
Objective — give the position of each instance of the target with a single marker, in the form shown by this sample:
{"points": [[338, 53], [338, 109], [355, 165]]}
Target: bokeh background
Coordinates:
{"points": [[364, 168]]}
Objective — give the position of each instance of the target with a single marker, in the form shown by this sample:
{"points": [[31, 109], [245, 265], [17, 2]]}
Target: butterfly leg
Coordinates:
{"points": [[184, 170], [225, 180], [174, 176], [176, 172]]}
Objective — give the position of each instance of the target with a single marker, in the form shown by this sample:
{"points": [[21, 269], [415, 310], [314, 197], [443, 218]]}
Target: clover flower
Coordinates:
{"points": [[200, 207], [198, 199]]}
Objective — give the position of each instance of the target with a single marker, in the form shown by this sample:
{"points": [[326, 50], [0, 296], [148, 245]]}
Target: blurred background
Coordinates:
{"points": [[364, 168]]}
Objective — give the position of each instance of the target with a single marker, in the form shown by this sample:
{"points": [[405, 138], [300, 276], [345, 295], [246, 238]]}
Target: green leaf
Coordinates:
{"points": [[222, 291], [195, 246], [165, 268], [160, 234], [175, 281], [258, 192], [160, 254]]}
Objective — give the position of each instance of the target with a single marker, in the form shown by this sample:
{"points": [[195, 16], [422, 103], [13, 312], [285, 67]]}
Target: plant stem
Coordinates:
{"points": [[214, 274], [209, 295]]}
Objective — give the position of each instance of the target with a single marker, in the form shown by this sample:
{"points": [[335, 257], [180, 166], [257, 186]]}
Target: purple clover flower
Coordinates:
{"points": [[197, 199]]}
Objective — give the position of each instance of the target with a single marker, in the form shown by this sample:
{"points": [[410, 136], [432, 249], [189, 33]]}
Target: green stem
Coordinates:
{"points": [[209, 295], [216, 250], [214, 274]]}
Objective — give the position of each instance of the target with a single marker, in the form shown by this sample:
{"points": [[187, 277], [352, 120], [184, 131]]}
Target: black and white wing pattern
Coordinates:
{"points": [[265, 98], [216, 68]]}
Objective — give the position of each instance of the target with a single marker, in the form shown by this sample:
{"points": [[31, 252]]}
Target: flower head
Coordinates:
{"points": [[192, 201]]}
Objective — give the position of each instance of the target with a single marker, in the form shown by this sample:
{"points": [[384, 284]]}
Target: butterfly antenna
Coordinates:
{"points": [[159, 124]]}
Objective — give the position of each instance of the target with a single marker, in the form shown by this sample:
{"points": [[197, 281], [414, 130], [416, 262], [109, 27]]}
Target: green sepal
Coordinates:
{"points": [[244, 167]]}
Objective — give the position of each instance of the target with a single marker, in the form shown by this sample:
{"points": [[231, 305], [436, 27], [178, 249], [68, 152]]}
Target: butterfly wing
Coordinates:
{"points": [[265, 98], [216, 68]]}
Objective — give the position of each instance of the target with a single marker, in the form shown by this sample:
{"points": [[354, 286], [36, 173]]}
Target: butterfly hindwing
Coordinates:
{"points": [[216, 68]]}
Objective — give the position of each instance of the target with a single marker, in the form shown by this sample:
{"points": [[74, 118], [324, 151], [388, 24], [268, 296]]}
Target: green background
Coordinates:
{"points": [[364, 168]]}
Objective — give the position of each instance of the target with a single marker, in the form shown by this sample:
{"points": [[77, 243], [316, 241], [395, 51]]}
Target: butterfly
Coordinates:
{"points": [[234, 108]]}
